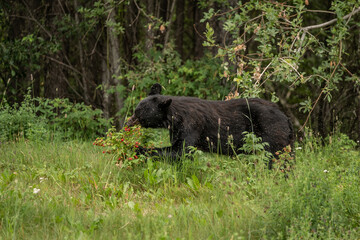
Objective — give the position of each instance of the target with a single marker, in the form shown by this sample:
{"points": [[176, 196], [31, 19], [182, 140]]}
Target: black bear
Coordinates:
{"points": [[207, 125]]}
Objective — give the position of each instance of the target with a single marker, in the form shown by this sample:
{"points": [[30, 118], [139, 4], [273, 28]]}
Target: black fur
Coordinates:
{"points": [[207, 125]]}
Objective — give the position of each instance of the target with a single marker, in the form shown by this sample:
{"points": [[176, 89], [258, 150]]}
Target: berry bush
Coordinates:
{"points": [[125, 145]]}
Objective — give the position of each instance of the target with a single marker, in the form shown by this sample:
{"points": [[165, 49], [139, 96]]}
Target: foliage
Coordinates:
{"points": [[21, 121], [40, 119], [272, 47], [53, 189], [254, 147], [285, 160], [72, 120], [124, 145]]}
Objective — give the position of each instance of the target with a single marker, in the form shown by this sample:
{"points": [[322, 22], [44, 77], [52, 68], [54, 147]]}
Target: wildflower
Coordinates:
{"points": [[136, 157], [130, 159], [36, 190], [103, 151], [326, 171]]}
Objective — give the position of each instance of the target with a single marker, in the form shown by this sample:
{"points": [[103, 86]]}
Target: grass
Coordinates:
{"points": [[71, 190]]}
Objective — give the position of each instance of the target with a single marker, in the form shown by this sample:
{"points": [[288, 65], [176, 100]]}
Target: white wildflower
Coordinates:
{"points": [[36, 190]]}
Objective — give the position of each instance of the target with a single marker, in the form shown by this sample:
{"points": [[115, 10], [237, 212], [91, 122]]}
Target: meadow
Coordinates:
{"points": [[72, 190]]}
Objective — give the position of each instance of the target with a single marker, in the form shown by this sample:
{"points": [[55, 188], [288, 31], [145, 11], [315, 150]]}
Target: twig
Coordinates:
{"points": [[229, 11], [318, 11], [325, 24], [36, 21], [290, 66], [264, 71], [350, 73], [322, 91], [198, 32], [64, 64]]}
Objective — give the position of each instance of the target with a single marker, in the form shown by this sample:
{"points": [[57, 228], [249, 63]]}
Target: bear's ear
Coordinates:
{"points": [[165, 103], [155, 89]]}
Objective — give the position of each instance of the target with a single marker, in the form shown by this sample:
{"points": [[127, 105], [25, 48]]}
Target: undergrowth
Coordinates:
{"points": [[59, 190], [40, 119]]}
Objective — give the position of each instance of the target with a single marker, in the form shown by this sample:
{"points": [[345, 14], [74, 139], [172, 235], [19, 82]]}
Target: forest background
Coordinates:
{"points": [[303, 54]]}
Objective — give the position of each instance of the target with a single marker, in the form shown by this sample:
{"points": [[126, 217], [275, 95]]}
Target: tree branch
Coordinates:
{"points": [[325, 24]]}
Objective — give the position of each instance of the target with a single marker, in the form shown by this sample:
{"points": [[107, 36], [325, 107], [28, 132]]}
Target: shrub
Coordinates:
{"points": [[21, 121], [72, 120], [42, 119], [123, 145]]}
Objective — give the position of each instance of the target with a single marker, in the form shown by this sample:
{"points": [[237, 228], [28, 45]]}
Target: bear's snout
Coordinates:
{"points": [[133, 120]]}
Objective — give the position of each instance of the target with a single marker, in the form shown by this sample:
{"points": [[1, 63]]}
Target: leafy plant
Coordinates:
{"points": [[72, 120], [124, 145], [256, 149], [21, 121], [284, 161], [38, 119]]}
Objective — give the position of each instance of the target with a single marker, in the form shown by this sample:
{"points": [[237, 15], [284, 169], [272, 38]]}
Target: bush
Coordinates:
{"points": [[44, 119], [72, 120], [123, 145], [21, 121]]}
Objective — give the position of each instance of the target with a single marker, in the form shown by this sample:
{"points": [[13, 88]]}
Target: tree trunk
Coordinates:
{"points": [[199, 28], [149, 41], [114, 59], [105, 76], [130, 38], [81, 60], [55, 84], [168, 18], [179, 36]]}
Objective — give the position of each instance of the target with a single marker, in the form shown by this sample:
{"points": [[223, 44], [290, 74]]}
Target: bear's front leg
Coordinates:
{"points": [[172, 153], [166, 153]]}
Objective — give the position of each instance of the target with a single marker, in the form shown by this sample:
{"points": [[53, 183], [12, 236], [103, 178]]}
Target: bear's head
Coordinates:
{"points": [[152, 111]]}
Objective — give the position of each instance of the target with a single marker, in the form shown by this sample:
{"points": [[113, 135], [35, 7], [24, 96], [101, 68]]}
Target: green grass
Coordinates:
{"points": [[82, 194]]}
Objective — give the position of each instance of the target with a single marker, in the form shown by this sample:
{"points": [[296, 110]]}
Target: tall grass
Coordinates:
{"points": [[71, 190]]}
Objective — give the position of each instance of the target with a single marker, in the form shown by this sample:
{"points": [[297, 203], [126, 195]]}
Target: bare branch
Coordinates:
{"points": [[325, 24], [63, 64]]}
